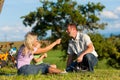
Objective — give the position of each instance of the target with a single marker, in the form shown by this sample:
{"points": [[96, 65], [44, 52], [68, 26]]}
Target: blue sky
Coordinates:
{"points": [[12, 28]]}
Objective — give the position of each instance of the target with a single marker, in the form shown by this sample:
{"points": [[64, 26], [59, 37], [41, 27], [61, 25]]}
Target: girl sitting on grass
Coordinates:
{"points": [[30, 47]]}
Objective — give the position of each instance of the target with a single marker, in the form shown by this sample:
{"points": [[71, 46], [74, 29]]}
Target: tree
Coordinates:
{"points": [[114, 52], [55, 16], [107, 48], [1, 5]]}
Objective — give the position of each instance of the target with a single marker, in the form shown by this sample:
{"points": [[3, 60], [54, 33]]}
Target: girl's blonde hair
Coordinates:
{"points": [[28, 42]]}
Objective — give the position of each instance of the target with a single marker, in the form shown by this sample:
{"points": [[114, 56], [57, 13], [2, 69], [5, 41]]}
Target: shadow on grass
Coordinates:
{"points": [[8, 74]]}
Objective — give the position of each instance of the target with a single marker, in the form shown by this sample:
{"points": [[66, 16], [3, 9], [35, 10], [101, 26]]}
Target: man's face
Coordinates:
{"points": [[69, 31]]}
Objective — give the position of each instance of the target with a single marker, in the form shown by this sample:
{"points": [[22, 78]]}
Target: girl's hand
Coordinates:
{"points": [[58, 41], [45, 55]]}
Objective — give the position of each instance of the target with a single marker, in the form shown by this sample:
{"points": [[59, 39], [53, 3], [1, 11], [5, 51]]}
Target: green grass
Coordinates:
{"points": [[99, 74], [55, 57], [102, 71]]}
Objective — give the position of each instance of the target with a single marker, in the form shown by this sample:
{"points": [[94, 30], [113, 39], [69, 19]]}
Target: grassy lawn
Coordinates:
{"points": [[101, 72]]}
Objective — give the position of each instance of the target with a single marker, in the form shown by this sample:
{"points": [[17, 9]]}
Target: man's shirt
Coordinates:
{"points": [[78, 45]]}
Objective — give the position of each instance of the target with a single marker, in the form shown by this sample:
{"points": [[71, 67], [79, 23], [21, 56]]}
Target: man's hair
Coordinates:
{"points": [[72, 25]]}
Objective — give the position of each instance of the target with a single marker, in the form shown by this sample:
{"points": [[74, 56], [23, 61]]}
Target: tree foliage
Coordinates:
{"points": [[114, 60], [55, 16], [107, 48]]}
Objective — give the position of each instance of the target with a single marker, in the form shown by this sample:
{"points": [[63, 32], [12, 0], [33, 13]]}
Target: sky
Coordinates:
{"points": [[12, 28]]}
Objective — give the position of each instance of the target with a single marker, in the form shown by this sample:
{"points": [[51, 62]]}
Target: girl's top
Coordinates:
{"points": [[24, 59]]}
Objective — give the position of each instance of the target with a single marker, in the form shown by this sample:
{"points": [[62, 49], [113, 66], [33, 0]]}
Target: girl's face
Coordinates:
{"points": [[36, 42]]}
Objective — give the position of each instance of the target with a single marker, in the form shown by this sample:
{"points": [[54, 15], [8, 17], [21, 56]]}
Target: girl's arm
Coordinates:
{"points": [[36, 60], [49, 47]]}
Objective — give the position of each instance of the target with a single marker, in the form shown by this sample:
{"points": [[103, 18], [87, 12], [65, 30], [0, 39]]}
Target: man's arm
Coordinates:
{"points": [[89, 49]]}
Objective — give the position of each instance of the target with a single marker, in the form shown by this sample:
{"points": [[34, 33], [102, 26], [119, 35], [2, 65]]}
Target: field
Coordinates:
{"points": [[7, 73], [99, 74], [102, 71]]}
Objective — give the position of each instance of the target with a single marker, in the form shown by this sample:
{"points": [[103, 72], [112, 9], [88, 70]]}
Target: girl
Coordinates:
{"points": [[25, 56]]}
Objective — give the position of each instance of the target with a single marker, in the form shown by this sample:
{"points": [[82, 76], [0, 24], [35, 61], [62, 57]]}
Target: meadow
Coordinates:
{"points": [[54, 57], [101, 72]]}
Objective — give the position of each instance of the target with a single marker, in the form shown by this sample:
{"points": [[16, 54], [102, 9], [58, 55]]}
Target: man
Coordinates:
{"points": [[82, 47]]}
